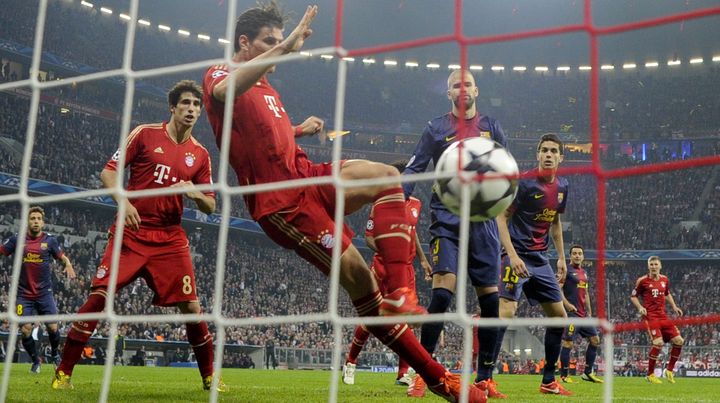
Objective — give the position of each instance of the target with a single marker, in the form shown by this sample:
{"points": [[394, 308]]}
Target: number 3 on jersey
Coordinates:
{"points": [[187, 285], [510, 277]]}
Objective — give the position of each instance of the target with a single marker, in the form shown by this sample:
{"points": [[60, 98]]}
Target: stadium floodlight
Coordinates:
{"points": [[528, 350], [203, 37], [349, 59], [607, 67], [163, 27], [519, 68], [368, 60], [326, 57], [497, 68], [411, 64], [105, 10], [716, 58], [453, 66], [183, 32], [516, 351], [675, 62], [541, 68], [144, 22], [476, 67], [124, 16], [585, 68], [86, 4], [433, 65], [563, 68], [652, 64], [390, 62], [224, 41], [696, 60], [628, 66]]}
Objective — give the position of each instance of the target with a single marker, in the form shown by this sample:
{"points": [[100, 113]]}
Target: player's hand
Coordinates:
{"points": [[642, 311], [678, 311], [70, 271], [312, 125], [518, 267], [294, 42], [570, 308], [190, 189], [132, 217], [427, 269], [561, 270]]}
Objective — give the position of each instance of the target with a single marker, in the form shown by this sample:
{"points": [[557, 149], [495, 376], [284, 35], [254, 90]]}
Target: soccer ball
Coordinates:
{"points": [[479, 155]]}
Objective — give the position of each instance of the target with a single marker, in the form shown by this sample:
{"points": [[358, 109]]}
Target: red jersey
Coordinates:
{"points": [[412, 205], [262, 142], [157, 161], [653, 292]]}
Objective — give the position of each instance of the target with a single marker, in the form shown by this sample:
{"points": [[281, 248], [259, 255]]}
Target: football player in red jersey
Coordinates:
{"points": [[263, 150], [654, 289], [154, 245]]}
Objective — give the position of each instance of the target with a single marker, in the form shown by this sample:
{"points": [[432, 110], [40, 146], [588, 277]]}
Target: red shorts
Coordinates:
{"points": [[160, 256], [308, 228], [667, 332]]}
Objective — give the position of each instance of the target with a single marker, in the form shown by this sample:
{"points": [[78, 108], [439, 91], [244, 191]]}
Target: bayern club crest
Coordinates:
{"points": [[414, 212], [101, 272], [326, 239], [189, 159]]}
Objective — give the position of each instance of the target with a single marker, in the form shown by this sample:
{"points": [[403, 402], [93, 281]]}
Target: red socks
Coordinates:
{"points": [[401, 340], [652, 358], [202, 344], [392, 237], [674, 355], [81, 331], [358, 342]]}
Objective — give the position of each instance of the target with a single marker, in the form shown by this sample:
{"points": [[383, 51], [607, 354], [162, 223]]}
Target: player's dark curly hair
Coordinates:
{"points": [[554, 138], [253, 20], [184, 86], [576, 246]]}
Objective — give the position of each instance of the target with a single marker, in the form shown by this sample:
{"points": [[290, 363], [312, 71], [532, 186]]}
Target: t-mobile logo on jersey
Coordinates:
{"points": [[162, 172], [272, 105]]}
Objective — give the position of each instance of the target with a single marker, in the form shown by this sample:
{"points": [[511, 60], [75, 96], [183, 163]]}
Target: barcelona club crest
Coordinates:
{"points": [[561, 196], [43, 245]]}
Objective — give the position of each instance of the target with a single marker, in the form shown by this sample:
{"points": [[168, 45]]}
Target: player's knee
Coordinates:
{"points": [[567, 343], [507, 308], [595, 341], [189, 307], [52, 327], [658, 343], [678, 341], [489, 305], [440, 300]]}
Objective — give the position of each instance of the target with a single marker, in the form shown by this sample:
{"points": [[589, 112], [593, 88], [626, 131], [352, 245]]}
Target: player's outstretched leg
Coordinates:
{"points": [[360, 285], [78, 336], [652, 359]]}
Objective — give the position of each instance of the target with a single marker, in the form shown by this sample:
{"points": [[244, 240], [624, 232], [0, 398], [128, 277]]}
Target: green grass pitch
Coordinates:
{"points": [[143, 384]]}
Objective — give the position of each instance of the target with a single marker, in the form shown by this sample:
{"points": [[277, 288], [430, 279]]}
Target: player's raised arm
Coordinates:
{"points": [[246, 76]]}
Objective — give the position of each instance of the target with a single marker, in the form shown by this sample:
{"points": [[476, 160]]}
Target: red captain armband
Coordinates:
{"points": [[298, 131]]}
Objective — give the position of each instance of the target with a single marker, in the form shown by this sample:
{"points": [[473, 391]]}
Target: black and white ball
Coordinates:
{"points": [[490, 195]]}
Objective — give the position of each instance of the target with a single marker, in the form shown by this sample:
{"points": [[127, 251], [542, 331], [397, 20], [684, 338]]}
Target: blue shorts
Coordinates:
{"points": [[42, 305], [483, 254], [540, 287], [573, 331]]}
